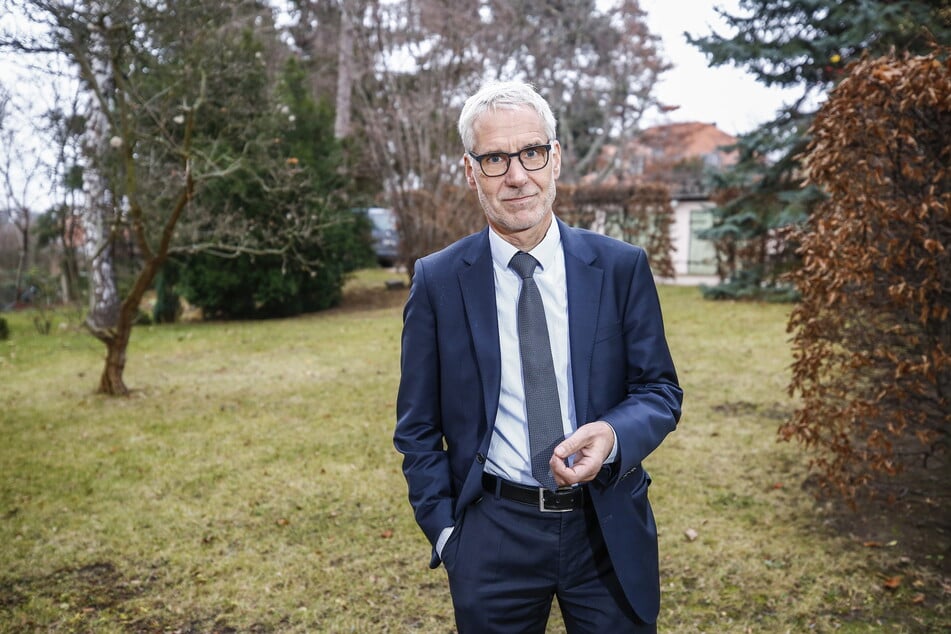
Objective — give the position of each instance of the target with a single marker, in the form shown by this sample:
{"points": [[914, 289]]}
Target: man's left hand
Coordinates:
{"points": [[591, 444]]}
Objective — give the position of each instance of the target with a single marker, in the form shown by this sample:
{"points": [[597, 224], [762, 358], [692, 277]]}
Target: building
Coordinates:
{"points": [[681, 156]]}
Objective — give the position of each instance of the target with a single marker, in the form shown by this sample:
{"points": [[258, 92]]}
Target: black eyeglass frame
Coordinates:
{"points": [[510, 155]]}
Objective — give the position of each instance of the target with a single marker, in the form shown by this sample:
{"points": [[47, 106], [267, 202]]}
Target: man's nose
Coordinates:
{"points": [[517, 175]]}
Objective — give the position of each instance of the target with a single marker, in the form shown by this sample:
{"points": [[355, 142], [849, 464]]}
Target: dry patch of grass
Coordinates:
{"points": [[249, 484]]}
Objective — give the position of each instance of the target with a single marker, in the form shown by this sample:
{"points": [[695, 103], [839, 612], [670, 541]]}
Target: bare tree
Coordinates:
{"points": [[596, 62], [18, 171], [143, 68], [414, 63], [417, 64], [317, 33], [61, 227]]}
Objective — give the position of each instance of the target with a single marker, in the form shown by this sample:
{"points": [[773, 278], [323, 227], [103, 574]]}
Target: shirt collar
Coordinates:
{"points": [[544, 251]]}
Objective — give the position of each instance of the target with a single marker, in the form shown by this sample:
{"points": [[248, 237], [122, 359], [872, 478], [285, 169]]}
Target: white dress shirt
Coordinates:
{"points": [[509, 455]]}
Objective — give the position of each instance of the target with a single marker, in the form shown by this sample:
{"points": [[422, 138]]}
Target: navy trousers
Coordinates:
{"points": [[507, 560]]}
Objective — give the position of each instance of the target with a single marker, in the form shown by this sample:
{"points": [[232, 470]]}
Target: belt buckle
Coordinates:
{"points": [[541, 503]]}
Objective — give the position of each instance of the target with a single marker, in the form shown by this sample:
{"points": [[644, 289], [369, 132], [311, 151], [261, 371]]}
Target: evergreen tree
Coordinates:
{"points": [[805, 44], [290, 184]]}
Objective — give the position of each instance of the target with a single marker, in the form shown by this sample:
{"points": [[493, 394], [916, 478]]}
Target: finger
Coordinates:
{"points": [[573, 443], [583, 470], [563, 474], [558, 464]]}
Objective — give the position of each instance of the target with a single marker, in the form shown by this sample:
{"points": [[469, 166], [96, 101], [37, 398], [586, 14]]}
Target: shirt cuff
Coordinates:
{"points": [[613, 455], [443, 538]]}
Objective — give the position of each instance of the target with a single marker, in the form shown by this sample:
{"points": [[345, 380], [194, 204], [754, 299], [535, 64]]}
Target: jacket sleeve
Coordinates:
{"points": [[419, 433], [652, 405]]}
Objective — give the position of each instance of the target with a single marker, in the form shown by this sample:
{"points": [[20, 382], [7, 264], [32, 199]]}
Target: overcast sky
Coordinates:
{"points": [[726, 96]]}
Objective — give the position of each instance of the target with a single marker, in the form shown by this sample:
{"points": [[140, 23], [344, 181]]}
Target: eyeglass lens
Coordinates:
{"points": [[532, 159]]}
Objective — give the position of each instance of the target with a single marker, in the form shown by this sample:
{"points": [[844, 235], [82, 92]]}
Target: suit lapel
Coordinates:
{"points": [[583, 280], [477, 282]]}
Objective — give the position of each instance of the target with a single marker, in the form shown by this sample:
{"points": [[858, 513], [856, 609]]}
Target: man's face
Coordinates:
{"points": [[518, 205]]}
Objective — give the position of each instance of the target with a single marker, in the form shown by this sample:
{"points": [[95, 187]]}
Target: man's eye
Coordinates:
{"points": [[531, 152], [494, 159]]}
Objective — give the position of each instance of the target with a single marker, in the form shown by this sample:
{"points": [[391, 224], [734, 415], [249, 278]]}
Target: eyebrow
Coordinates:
{"points": [[524, 147]]}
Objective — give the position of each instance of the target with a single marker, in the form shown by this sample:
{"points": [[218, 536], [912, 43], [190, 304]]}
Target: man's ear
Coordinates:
{"points": [[470, 175], [555, 159]]}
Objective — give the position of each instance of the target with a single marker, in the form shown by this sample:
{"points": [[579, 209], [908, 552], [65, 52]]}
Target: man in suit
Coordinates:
{"points": [[513, 534]]}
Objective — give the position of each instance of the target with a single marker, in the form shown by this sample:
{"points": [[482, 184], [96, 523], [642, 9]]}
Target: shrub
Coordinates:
{"points": [[268, 286], [872, 335], [746, 284]]}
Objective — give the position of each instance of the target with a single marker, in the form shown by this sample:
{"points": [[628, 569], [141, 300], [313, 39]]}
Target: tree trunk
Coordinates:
{"points": [[103, 295], [70, 261], [70, 275], [117, 338], [104, 318], [344, 75], [111, 381], [24, 253]]}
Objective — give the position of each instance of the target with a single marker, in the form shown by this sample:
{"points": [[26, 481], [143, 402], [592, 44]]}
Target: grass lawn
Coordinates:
{"points": [[249, 484]]}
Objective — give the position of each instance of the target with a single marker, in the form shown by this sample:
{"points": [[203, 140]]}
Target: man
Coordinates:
{"points": [[574, 523]]}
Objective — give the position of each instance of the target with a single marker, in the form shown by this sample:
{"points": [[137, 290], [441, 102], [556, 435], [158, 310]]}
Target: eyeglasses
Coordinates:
{"points": [[532, 159]]}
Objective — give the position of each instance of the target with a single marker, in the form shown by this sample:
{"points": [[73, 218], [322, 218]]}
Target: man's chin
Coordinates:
{"points": [[523, 220]]}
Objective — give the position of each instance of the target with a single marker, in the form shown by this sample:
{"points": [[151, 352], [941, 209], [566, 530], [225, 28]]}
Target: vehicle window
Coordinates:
{"points": [[383, 219]]}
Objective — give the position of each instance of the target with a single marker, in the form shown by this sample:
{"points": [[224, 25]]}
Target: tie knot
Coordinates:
{"points": [[523, 264]]}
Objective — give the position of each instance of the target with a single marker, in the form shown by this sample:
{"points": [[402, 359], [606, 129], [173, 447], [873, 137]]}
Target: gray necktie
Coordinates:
{"points": [[545, 428]]}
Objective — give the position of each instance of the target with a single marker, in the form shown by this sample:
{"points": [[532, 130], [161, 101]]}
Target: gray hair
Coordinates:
{"points": [[503, 95]]}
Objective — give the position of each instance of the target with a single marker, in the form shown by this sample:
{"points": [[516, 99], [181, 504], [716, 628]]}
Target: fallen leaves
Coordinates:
{"points": [[892, 583]]}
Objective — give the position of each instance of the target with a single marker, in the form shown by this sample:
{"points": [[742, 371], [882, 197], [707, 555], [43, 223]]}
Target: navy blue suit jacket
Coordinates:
{"points": [[622, 373]]}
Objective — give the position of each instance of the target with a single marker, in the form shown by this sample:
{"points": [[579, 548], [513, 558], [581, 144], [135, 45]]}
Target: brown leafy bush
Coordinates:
{"points": [[872, 334]]}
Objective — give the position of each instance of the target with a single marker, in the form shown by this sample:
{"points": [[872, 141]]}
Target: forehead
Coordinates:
{"points": [[508, 129]]}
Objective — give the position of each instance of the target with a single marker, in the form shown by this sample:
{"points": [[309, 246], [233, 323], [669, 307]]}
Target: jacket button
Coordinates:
{"points": [[480, 458]]}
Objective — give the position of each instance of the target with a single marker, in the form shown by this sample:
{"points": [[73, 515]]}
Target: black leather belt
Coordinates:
{"points": [[547, 501]]}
